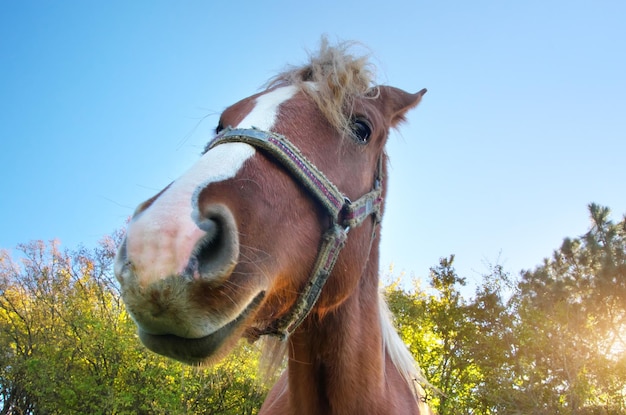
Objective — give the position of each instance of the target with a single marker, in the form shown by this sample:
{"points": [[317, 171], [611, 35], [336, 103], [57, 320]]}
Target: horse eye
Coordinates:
{"points": [[361, 131]]}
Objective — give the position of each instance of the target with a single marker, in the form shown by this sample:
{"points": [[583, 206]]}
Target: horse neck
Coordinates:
{"points": [[337, 365]]}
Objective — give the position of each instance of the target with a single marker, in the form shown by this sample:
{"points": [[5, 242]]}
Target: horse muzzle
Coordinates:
{"points": [[167, 296]]}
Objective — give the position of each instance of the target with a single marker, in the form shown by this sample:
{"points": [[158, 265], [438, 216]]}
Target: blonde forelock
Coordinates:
{"points": [[334, 78]]}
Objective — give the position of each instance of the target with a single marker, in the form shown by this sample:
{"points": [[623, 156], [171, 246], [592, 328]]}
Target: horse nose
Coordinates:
{"points": [[158, 292], [203, 245], [215, 255]]}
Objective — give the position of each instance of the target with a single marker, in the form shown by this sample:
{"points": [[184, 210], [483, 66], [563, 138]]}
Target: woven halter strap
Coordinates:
{"points": [[343, 213]]}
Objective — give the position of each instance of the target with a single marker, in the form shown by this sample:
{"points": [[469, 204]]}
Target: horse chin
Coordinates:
{"points": [[203, 350]]}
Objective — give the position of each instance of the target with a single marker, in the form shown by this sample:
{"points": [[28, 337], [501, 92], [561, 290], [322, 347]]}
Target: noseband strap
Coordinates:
{"points": [[343, 213]]}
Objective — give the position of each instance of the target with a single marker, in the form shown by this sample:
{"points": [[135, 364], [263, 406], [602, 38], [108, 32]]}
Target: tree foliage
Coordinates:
{"points": [[576, 302], [550, 341], [67, 346]]}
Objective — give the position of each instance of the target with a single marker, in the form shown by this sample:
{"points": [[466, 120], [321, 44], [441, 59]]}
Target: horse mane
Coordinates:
{"points": [[398, 351], [333, 78]]}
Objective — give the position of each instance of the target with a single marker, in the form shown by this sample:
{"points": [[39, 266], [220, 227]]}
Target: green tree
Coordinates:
{"points": [[549, 342], [490, 347], [438, 331], [67, 346], [571, 322]]}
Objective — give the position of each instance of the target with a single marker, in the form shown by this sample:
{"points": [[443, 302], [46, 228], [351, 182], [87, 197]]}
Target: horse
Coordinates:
{"points": [[275, 232]]}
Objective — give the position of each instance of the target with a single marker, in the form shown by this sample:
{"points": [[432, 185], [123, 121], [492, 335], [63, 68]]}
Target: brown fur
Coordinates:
{"points": [[343, 359]]}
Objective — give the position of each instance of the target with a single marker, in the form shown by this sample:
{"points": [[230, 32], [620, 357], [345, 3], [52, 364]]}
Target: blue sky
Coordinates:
{"points": [[104, 103]]}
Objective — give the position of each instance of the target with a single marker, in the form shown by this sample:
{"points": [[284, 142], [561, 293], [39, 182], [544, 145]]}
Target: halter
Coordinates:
{"points": [[343, 213]]}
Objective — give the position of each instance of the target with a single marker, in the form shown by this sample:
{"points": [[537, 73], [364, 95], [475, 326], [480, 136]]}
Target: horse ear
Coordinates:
{"points": [[396, 102]]}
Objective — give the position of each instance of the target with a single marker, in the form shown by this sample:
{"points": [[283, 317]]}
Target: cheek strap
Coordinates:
{"points": [[343, 213]]}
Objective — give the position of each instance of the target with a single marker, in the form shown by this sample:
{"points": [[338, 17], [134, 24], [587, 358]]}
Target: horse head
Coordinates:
{"points": [[227, 250]]}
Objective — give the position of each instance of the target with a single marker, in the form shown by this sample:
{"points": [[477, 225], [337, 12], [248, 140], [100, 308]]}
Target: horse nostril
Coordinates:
{"points": [[209, 248], [216, 253], [207, 225]]}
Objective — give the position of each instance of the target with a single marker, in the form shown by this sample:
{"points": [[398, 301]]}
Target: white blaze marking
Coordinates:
{"points": [[263, 116], [160, 239]]}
